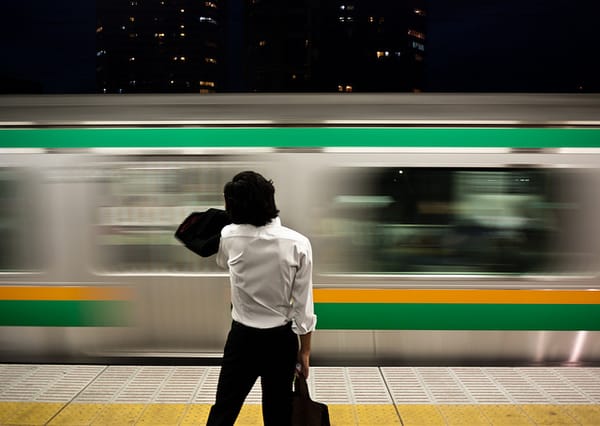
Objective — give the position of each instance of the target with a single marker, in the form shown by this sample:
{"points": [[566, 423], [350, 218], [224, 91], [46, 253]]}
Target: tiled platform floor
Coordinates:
{"points": [[162, 395]]}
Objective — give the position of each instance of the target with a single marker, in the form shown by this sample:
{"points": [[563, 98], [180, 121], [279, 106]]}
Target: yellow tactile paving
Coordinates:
{"points": [[342, 414], [377, 415], [467, 415], [420, 415], [106, 414], [506, 415], [29, 413], [543, 414], [586, 415], [77, 414], [162, 414], [251, 415], [196, 414], [119, 414]]}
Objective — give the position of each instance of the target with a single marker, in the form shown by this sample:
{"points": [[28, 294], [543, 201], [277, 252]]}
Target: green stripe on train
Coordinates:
{"points": [[399, 316], [65, 313], [300, 137]]}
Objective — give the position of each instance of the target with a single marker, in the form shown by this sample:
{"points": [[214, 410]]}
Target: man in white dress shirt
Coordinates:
{"points": [[270, 269]]}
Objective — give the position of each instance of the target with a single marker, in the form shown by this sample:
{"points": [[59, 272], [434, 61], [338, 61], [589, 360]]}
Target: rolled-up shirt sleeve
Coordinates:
{"points": [[304, 319]]}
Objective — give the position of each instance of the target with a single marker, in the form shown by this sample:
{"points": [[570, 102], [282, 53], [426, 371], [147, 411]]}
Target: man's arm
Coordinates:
{"points": [[304, 353]]}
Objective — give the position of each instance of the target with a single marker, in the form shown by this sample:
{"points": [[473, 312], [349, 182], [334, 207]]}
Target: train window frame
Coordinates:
{"points": [[328, 275], [30, 238], [224, 164]]}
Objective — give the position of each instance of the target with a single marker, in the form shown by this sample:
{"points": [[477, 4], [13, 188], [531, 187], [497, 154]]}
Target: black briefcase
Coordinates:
{"points": [[307, 412]]}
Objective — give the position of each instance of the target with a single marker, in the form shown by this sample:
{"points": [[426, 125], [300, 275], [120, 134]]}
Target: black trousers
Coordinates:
{"points": [[250, 353]]}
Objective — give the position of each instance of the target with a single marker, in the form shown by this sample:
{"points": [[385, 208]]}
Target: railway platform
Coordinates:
{"points": [[53, 394]]}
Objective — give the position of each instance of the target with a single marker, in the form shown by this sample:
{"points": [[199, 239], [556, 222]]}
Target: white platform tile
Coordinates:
{"points": [[46, 383], [368, 386], [207, 388], [331, 385], [405, 385]]}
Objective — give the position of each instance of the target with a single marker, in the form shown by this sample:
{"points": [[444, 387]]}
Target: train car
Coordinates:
{"points": [[446, 229]]}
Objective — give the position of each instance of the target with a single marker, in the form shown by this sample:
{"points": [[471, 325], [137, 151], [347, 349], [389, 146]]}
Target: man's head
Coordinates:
{"points": [[250, 199]]}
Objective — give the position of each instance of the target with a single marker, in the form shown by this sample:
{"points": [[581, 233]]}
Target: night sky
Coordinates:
{"points": [[472, 45]]}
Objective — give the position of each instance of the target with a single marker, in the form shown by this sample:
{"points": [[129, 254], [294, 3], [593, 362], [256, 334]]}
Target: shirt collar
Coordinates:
{"points": [[274, 222]]}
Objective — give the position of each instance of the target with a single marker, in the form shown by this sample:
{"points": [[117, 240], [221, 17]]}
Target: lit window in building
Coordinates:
{"points": [[371, 19], [175, 58], [207, 83], [181, 34], [210, 60], [344, 88], [210, 4], [131, 59], [419, 46], [182, 26], [182, 10], [348, 88], [132, 19], [172, 82], [159, 35], [99, 29], [416, 34], [133, 35], [262, 43], [383, 53], [419, 12], [101, 52], [182, 58], [207, 19]]}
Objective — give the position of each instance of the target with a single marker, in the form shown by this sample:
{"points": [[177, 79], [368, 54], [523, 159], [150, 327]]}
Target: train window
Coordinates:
{"points": [[455, 221], [20, 241], [140, 207]]}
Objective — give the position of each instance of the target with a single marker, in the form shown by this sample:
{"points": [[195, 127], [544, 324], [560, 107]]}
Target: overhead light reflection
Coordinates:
{"points": [[578, 346]]}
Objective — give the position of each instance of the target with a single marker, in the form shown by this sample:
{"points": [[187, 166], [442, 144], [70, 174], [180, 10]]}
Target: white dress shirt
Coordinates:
{"points": [[270, 270]]}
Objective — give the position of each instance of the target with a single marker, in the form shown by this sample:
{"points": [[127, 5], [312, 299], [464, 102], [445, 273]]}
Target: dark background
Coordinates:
{"points": [[471, 46]]}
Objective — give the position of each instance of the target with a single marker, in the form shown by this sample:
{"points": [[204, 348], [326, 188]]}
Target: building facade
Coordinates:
{"points": [[343, 45], [207, 46], [159, 46]]}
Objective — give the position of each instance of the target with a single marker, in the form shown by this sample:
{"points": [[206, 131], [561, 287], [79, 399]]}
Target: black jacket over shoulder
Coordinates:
{"points": [[201, 231]]}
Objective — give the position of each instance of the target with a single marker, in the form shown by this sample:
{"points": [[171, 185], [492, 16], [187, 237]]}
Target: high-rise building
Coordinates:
{"points": [[334, 45], [210, 46], [159, 45]]}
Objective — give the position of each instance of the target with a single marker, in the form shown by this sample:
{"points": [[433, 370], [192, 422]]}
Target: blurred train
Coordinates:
{"points": [[446, 229]]}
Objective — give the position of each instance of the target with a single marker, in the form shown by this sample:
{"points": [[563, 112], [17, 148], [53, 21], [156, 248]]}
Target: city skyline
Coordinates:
{"points": [[496, 46]]}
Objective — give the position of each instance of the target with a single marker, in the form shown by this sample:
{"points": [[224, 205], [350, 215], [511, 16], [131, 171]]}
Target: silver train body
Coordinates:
{"points": [[392, 217]]}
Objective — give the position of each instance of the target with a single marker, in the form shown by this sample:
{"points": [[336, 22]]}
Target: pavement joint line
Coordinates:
{"points": [[76, 395], [389, 391]]}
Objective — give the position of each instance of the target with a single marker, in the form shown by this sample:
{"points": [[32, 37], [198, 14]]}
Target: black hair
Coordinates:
{"points": [[250, 199]]}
